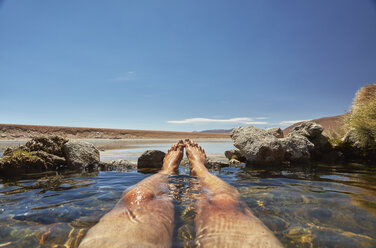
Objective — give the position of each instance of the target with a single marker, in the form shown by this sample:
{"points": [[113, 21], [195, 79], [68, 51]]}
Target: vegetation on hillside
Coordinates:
{"points": [[362, 116]]}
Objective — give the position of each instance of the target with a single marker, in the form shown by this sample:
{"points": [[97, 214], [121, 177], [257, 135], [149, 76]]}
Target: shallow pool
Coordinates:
{"points": [[308, 206]]}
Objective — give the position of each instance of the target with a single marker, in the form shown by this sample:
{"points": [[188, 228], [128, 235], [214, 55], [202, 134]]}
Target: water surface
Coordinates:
{"points": [[309, 206]]}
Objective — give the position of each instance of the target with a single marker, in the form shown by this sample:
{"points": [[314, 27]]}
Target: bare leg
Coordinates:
{"points": [[144, 215], [222, 220]]}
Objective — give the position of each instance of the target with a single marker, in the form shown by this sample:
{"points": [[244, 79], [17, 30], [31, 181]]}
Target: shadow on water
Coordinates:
{"points": [[316, 205]]}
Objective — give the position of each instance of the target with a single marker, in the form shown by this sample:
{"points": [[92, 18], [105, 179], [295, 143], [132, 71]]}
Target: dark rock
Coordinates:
{"points": [[52, 162], [215, 164], [234, 162], [235, 154], [117, 165], [80, 154], [276, 132], [21, 161], [49, 182], [52, 145], [151, 159], [258, 145], [313, 132], [297, 148], [350, 139]]}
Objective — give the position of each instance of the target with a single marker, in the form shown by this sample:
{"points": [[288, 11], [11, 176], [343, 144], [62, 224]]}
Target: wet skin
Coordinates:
{"points": [[144, 215], [222, 220]]}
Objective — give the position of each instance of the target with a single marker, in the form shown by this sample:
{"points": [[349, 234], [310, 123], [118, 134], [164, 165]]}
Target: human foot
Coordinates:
{"points": [[173, 158], [196, 156]]}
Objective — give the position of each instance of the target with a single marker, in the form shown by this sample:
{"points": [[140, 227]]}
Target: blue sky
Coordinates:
{"points": [[182, 65]]}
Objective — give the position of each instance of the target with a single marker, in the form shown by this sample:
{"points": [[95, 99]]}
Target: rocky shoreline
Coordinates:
{"points": [[303, 144]]}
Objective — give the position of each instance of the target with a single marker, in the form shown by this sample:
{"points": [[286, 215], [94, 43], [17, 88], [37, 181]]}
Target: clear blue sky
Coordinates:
{"points": [[154, 64]]}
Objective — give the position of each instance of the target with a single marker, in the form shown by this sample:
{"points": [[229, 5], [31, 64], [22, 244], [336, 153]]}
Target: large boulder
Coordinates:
{"points": [[21, 161], [313, 132], [80, 154], [52, 162], [151, 159], [49, 144], [308, 129], [257, 145], [297, 148], [276, 132]]}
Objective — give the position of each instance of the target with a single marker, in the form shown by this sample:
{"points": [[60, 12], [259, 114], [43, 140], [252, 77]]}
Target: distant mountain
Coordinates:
{"points": [[332, 125], [216, 131]]}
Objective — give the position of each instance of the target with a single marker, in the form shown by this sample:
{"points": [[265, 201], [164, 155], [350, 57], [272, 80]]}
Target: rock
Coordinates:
{"points": [[313, 132], [151, 159], [257, 145], [350, 139], [308, 129], [49, 182], [297, 148], [234, 162], [9, 151], [276, 132], [80, 154], [215, 164], [52, 162], [52, 145], [117, 165], [21, 161], [235, 154]]}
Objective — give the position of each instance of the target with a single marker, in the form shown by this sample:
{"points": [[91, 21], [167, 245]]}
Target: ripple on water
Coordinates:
{"points": [[322, 206]]}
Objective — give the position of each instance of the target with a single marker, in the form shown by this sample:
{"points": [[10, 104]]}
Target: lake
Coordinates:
{"points": [[318, 205]]}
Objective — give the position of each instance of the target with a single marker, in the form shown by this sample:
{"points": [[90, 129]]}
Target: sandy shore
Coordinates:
{"points": [[110, 144]]}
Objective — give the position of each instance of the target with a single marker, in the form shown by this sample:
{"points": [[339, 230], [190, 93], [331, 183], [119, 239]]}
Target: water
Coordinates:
{"points": [[308, 206]]}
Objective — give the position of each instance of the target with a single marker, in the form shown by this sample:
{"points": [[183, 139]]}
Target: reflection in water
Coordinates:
{"points": [[310, 206]]}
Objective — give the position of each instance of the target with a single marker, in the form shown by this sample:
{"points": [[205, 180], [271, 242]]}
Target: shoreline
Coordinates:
{"points": [[113, 144]]}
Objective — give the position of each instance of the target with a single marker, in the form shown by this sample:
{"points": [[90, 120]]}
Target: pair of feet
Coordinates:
{"points": [[196, 156]]}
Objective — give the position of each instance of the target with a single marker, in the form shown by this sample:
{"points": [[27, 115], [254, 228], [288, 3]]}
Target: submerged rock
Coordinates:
{"points": [[80, 154], [257, 145], [151, 159]]}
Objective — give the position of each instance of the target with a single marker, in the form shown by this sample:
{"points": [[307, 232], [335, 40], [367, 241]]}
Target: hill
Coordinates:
{"points": [[19, 132], [216, 131], [332, 125]]}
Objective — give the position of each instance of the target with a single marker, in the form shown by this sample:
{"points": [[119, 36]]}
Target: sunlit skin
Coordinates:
{"points": [[222, 220], [144, 216]]}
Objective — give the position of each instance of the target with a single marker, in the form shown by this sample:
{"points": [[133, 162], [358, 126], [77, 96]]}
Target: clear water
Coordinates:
{"points": [[308, 206]]}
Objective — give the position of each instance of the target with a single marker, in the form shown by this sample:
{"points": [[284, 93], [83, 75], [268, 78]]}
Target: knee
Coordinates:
{"points": [[224, 200], [138, 197]]}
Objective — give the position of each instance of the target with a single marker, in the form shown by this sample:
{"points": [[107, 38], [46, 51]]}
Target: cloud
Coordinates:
{"points": [[261, 118], [240, 120], [291, 122], [130, 76]]}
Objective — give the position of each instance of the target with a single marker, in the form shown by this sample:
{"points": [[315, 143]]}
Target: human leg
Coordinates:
{"points": [[222, 220], [144, 215]]}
